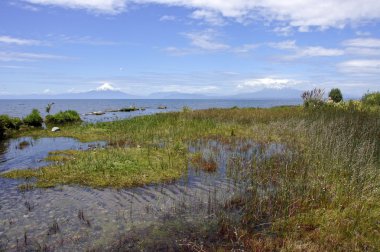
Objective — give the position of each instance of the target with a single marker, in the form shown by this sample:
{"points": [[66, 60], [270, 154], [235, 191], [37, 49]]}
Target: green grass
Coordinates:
{"points": [[114, 167], [326, 187]]}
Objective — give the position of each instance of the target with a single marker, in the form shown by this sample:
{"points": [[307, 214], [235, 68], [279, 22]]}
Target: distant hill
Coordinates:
{"points": [[106, 91], [270, 93]]}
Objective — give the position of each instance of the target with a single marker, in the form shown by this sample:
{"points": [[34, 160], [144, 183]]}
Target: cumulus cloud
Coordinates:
{"points": [[275, 83], [300, 14], [18, 41]]}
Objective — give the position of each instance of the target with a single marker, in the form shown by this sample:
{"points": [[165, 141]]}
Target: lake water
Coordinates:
{"points": [[86, 218], [20, 108], [75, 218]]}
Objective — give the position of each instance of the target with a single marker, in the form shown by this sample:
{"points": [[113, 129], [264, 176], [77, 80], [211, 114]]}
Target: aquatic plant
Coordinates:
{"points": [[53, 228]]}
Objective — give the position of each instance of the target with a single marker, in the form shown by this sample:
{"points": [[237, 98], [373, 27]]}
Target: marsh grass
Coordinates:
{"points": [[320, 193], [113, 167]]}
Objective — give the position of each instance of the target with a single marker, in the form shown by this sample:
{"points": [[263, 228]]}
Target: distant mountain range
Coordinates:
{"points": [[264, 94]]}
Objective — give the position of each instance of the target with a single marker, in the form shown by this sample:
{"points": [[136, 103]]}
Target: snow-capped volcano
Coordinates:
{"points": [[106, 87]]}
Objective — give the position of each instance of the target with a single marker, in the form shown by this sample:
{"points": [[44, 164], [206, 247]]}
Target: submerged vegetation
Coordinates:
{"points": [[321, 193]]}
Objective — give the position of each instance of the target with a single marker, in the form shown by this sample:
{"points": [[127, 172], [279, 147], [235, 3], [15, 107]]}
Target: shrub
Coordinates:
{"points": [[10, 122], [63, 117], [336, 95], [371, 99], [34, 119], [313, 98]]}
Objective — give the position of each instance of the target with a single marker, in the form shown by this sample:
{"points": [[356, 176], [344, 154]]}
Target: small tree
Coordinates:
{"points": [[336, 95]]}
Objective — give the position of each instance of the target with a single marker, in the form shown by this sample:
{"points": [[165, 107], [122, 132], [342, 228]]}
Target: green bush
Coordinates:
{"points": [[10, 122], [371, 99], [63, 117], [336, 95], [34, 119]]}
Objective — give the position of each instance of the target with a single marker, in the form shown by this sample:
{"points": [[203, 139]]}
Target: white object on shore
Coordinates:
{"points": [[55, 129]]}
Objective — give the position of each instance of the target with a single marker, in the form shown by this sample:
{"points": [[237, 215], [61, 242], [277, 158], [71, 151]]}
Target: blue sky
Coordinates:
{"points": [[216, 46]]}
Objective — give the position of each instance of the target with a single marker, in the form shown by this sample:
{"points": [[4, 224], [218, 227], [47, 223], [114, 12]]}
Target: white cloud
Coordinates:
{"points": [[267, 83], [206, 40], [18, 41], [172, 50], [363, 33], [284, 30], [363, 51], [106, 87], [167, 18], [287, 44], [360, 66], [317, 51], [294, 13], [308, 51], [21, 56], [80, 40], [245, 48], [210, 17], [363, 42], [47, 91], [99, 6]]}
